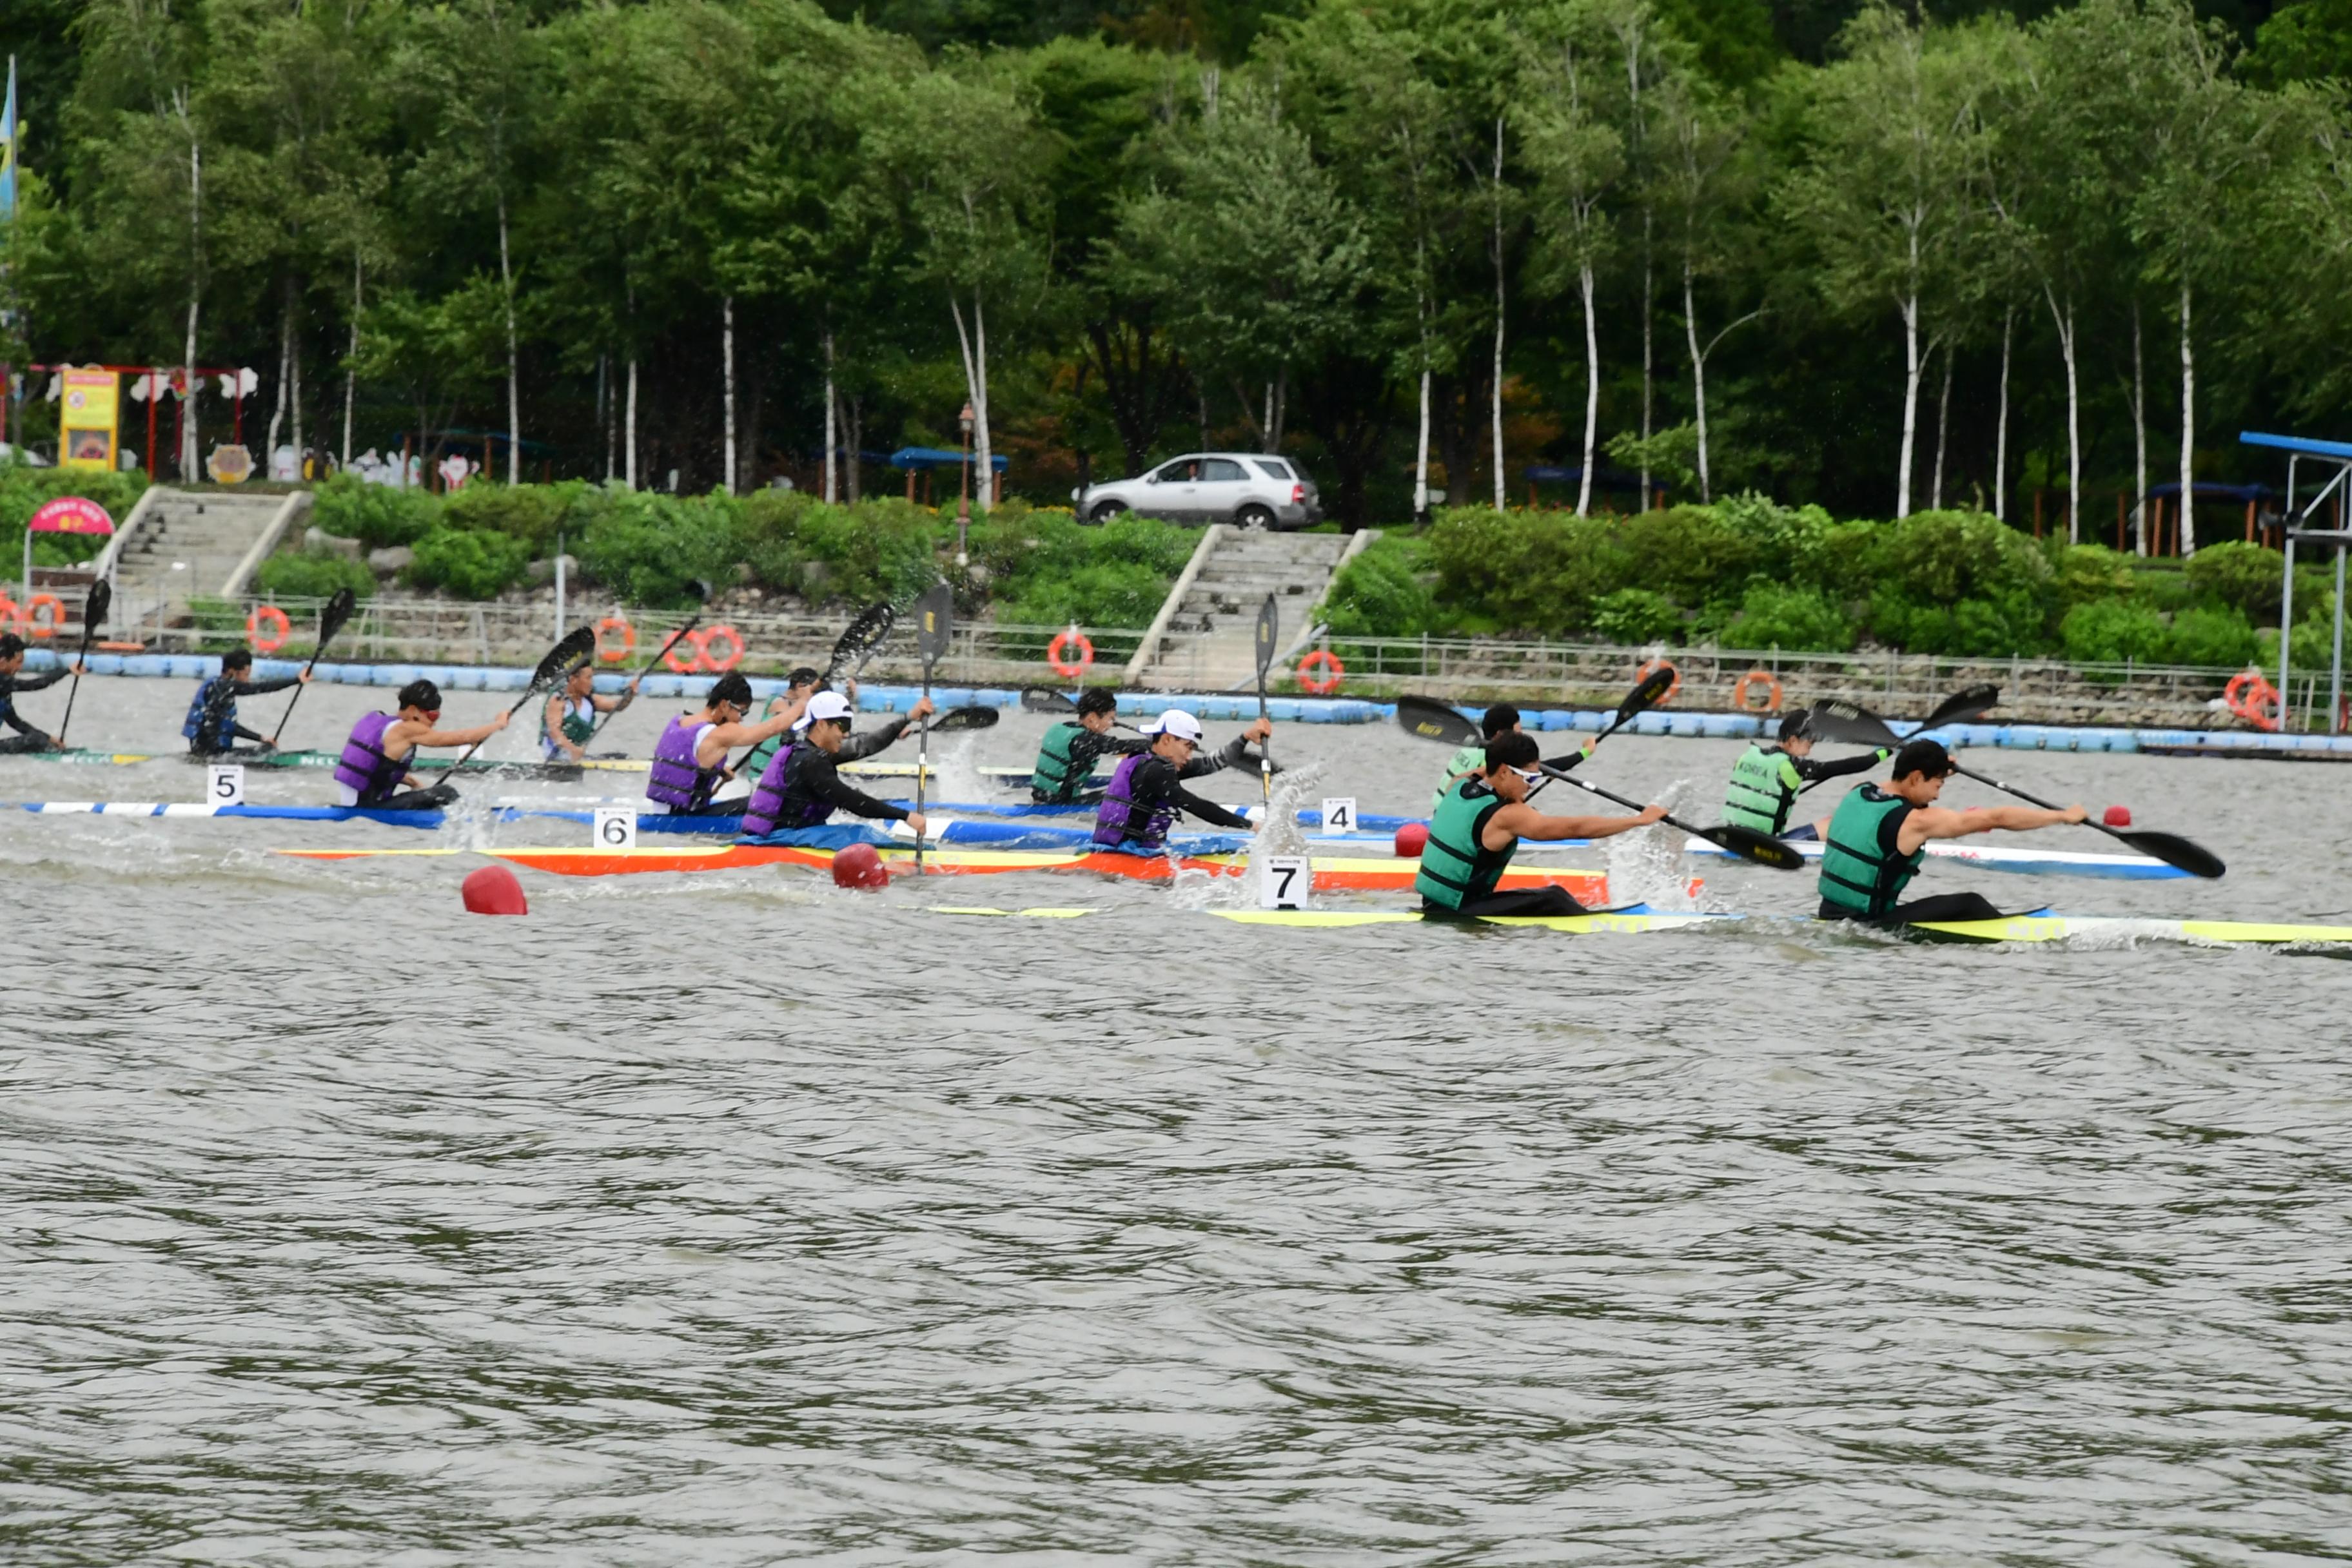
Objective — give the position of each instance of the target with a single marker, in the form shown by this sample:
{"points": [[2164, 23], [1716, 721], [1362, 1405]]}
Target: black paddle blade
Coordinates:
{"points": [[2175, 850], [334, 612], [1761, 848], [1644, 696], [1269, 629], [972, 718], [1963, 707], [869, 631], [1434, 721], [94, 607], [934, 619], [576, 649], [1835, 718], [1037, 699]]}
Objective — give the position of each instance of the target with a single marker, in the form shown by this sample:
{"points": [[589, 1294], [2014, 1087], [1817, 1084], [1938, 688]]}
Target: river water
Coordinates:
{"points": [[735, 1219]]}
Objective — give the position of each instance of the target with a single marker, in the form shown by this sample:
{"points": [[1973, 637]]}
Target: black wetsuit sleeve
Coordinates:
{"points": [[1813, 772], [825, 782], [1564, 761], [857, 747], [1234, 754], [243, 733], [1207, 810], [32, 682], [264, 687], [1087, 746]]}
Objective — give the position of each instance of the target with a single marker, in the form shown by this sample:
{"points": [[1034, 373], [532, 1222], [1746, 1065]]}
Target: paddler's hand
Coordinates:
{"points": [[77, 667], [1592, 742], [921, 711], [848, 689], [303, 676], [915, 820], [1649, 813], [1259, 731], [2075, 813], [501, 722]]}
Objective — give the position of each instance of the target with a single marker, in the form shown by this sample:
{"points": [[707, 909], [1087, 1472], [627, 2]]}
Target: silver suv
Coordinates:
{"points": [[1251, 489]]}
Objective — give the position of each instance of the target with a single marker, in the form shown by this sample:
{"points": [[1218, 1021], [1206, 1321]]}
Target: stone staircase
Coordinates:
{"points": [[184, 545], [1206, 636]]}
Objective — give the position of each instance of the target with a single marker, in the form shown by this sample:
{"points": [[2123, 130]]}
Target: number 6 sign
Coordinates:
{"points": [[616, 827]]}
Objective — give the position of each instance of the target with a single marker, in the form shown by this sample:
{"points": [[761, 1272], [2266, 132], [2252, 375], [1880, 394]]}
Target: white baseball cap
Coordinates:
{"points": [[1177, 722], [824, 705]]}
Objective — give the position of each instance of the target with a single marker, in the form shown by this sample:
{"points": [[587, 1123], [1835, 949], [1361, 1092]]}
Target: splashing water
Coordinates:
{"points": [[1646, 866]]}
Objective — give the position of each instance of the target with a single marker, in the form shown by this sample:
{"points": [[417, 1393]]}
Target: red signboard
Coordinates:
{"points": [[71, 514]]}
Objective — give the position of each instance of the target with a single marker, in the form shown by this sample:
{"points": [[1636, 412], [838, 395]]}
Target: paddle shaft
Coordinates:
{"points": [[1586, 785], [529, 692], [327, 630], [100, 601], [922, 764], [74, 686]]}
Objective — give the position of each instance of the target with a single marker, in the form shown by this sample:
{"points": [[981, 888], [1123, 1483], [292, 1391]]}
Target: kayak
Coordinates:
{"points": [[2090, 932], [565, 770], [1332, 873], [1999, 858]]}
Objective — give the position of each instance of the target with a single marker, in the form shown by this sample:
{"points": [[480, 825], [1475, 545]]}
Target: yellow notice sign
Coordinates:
{"points": [[86, 423]]}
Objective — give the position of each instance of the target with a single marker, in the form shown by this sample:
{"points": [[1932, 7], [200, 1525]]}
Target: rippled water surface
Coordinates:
{"points": [[733, 1218]]}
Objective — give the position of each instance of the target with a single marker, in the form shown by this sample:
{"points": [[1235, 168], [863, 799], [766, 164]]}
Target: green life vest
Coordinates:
{"points": [[1859, 873], [1059, 775], [1457, 867], [579, 721], [1467, 759], [1764, 785]]}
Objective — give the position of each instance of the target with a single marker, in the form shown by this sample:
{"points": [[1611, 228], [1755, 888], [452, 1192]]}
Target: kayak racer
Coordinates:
{"points": [[1477, 827], [1877, 838]]}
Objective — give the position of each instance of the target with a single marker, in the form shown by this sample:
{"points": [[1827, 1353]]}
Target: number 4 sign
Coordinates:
{"points": [[1283, 882], [616, 827], [1338, 813]]}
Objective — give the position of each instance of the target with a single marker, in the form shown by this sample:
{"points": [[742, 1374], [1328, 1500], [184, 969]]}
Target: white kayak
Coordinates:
{"points": [[2001, 858]]}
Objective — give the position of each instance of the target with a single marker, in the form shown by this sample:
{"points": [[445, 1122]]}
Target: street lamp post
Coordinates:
{"points": [[964, 498]]}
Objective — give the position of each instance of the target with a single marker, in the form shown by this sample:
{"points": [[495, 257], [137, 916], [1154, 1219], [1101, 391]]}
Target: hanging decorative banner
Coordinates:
{"points": [[85, 420]]}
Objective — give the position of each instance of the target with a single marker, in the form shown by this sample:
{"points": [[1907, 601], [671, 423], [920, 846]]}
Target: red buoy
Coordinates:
{"points": [[1410, 839], [493, 890], [859, 867], [2117, 816]]}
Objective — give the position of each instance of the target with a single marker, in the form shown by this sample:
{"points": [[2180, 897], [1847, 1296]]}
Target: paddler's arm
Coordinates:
{"points": [[829, 785], [22, 683], [473, 737], [1524, 821], [614, 704], [1184, 800], [721, 739], [1235, 753], [1567, 760], [264, 687], [1939, 822], [859, 746], [1813, 772]]}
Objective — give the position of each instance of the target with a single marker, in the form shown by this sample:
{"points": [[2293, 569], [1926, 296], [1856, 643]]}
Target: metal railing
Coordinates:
{"points": [[1466, 670]]}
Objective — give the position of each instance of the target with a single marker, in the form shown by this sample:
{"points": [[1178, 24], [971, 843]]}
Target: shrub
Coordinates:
{"points": [[1104, 593], [529, 513], [875, 550], [644, 548], [1799, 620], [1535, 571], [2211, 636], [1378, 594], [2109, 631], [378, 516], [24, 489], [2239, 576], [1971, 629], [1789, 542], [469, 565], [1635, 615], [313, 574], [2088, 571]]}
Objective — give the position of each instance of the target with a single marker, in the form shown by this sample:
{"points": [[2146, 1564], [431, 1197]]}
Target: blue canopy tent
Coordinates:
{"points": [[913, 460], [2334, 459]]}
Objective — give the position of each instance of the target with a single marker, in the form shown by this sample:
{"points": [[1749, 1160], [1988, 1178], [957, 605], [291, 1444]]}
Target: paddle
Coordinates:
{"points": [[1846, 722], [1435, 721], [94, 606], [562, 660], [701, 591], [934, 614], [1644, 696], [869, 631], [331, 617], [1269, 627], [955, 718], [1056, 704]]}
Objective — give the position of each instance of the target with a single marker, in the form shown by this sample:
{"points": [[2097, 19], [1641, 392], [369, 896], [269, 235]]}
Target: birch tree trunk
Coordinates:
{"points": [[1648, 307], [832, 433], [974, 345], [294, 342], [196, 291], [2064, 320], [351, 370], [2000, 426], [1943, 423], [727, 353], [604, 414], [854, 469], [285, 359], [1421, 456], [1910, 307], [1592, 396], [514, 360], [1698, 381], [2188, 429], [629, 433], [1499, 299]]}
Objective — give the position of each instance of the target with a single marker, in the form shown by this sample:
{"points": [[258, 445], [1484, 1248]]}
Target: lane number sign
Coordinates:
{"points": [[223, 783], [616, 827], [1283, 882], [1338, 813]]}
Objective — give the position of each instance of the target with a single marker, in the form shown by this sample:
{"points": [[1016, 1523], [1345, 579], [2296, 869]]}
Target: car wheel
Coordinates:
{"points": [[1255, 518], [1106, 510]]}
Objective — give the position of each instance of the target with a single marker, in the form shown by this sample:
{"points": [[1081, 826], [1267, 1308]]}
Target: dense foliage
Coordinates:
{"points": [[1943, 253]]}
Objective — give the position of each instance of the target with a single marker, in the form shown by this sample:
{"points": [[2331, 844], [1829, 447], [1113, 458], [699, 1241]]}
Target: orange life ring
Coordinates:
{"points": [[2253, 699], [34, 625], [1323, 659], [267, 615], [8, 610], [1651, 669], [692, 662], [712, 660], [614, 653], [1771, 691], [1060, 645]]}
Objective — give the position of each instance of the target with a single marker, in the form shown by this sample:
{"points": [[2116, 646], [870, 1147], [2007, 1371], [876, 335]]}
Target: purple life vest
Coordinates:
{"points": [[1120, 820], [674, 780], [363, 768], [764, 813]]}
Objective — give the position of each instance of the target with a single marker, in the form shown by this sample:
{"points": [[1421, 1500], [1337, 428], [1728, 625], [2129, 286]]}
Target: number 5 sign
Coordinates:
{"points": [[223, 783], [1283, 882]]}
